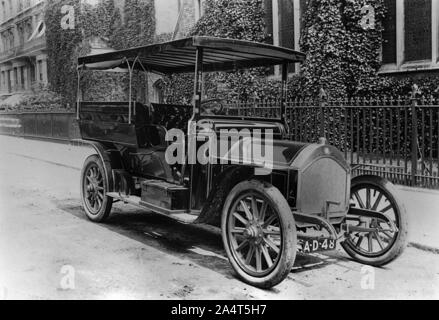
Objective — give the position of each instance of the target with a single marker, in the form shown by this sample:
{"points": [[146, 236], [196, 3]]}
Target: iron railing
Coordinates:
{"points": [[44, 125], [396, 138]]}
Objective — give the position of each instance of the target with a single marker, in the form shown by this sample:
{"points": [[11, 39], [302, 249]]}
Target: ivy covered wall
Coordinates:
{"points": [[343, 56], [62, 47], [239, 20], [135, 26]]}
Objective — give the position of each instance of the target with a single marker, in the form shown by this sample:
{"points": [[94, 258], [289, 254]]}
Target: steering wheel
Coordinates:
{"points": [[213, 107]]}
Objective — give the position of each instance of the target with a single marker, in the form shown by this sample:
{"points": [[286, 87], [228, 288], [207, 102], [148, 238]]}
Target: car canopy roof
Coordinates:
{"points": [[179, 56]]}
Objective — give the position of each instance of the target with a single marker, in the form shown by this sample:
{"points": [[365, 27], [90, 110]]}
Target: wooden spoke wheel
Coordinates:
{"points": [[387, 240], [94, 186], [259, 233]]}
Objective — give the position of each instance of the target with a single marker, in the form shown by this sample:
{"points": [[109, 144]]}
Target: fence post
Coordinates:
{"points": [[414, 148], [51, 124], [322, 104]]}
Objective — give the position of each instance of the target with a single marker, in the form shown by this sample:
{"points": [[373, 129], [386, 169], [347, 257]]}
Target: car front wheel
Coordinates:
{"points": [[259, 233], [375, 241]]}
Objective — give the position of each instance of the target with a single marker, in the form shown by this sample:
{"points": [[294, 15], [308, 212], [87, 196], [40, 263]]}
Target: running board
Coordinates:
{"points": [[182, 216]]}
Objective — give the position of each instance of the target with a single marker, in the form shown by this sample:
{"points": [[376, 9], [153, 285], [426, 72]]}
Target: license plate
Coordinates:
{"points": [[318, 245]]}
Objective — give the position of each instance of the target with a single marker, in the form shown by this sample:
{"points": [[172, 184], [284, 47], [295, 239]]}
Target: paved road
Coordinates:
{"points": [[45, 241]]}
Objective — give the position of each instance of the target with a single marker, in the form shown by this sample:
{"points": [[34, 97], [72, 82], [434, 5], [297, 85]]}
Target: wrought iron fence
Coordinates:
{"points": [[396, 138], [46, 125]]}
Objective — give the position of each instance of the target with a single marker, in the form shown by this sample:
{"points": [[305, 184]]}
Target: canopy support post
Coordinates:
{"points": [[198, 83], [130, 95], [284, 96], [192, 139], [78, 93], [147, 81]]}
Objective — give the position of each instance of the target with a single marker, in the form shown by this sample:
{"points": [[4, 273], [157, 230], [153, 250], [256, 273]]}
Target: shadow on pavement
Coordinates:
{"points": [[193, 243]]}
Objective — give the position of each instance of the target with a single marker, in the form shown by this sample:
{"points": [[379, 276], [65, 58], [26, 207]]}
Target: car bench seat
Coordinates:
{"points": [[172, 116], [109, 122]]}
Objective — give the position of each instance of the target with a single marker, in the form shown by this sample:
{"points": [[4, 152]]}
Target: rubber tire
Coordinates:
{"points": [[107, 205], [288, 256], [400, 243]]}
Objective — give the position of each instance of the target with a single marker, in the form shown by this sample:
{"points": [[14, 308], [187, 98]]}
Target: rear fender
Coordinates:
{"points": [[110, 157]]}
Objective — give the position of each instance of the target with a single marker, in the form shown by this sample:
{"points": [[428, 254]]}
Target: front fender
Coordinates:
{"points": [[212, 210]]}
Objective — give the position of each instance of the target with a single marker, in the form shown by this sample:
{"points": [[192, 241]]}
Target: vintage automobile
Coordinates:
{"points": [[305, 201]]}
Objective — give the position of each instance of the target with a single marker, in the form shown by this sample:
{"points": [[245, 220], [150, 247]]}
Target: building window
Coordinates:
{"points": [[22, 73], [268, 9], [286, 27], [417, 30], [411, 30], [3, 80], [10, 84], [32, 73], [11, 39], [40, 70], [389, 33], [16, 78], [286, 23], [4, 42], [4, 11], [21, 35]]}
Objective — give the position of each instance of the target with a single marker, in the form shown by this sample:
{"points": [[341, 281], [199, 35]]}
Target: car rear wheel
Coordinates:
{"points": [[94, 187], [259, 233], [388, 240]]}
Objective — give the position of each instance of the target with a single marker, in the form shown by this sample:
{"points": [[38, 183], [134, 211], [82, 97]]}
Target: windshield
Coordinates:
{"points": [[232, 107]]}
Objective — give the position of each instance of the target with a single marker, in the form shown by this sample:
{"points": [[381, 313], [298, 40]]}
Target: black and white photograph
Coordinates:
{"points": [[219, 150]]}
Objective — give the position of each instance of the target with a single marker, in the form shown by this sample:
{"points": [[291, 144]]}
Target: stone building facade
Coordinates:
{"points": [[411, 30], [23, 58], [411, 36]]}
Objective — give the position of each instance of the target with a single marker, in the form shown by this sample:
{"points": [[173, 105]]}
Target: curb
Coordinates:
{"points": [[423, 247], [46, 161], [417, 190]]}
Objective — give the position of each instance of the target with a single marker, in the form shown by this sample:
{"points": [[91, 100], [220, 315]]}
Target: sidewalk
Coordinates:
{"points": [[422, 204], [423, 209]]}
